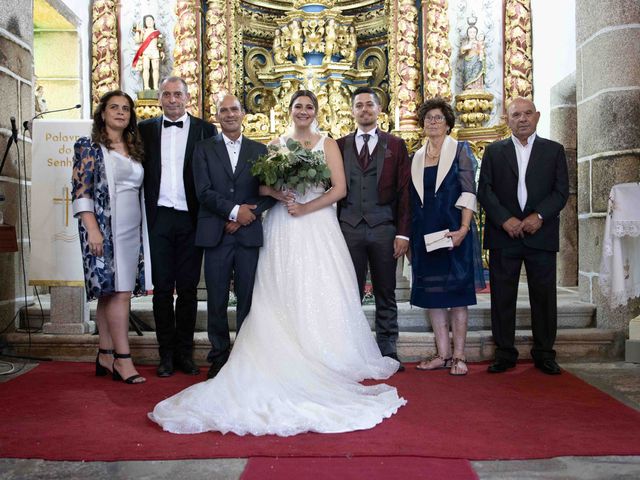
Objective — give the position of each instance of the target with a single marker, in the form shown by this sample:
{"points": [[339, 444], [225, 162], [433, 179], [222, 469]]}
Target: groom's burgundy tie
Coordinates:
{"points": [[364, 156]]}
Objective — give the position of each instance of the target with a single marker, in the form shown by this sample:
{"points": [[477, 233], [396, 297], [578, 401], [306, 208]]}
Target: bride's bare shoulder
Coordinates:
{"points": [[276, 141]]}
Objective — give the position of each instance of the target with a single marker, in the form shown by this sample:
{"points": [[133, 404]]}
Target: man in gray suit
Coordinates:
{"points": [[229, 226]]}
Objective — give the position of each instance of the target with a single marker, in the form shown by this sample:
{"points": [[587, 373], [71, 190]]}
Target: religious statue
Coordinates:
{"points": [[473, 60], [296, 43], [150, 52], [330, 38], [280, 47], [350, 44]]}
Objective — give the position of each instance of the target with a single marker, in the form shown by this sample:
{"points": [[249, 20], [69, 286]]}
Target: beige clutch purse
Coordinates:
{"points": [[436, 240]]}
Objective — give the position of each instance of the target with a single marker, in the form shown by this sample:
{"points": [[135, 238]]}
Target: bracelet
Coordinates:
{"points": [[465, 225]]}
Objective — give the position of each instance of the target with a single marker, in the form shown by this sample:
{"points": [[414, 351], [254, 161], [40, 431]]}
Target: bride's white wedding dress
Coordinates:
{"points": [[297, 362]]}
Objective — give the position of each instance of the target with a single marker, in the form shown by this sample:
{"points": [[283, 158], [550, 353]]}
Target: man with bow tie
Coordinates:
{"points": [[172, 213], [229, 223]]}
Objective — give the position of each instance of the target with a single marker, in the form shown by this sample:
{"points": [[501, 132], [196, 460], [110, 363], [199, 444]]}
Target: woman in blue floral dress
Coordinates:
{"points": [[108, 202]]}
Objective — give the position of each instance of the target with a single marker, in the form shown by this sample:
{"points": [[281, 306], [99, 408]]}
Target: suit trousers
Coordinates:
{"points": [[176, 264], [373, 247], [229, 259], [504, 275]]}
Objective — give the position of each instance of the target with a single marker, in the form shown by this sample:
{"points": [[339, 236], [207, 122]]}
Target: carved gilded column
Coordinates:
{"points": [[105, 68], [185, 53], [518, 59], [405, 77], [437, 49], [217, 60]]}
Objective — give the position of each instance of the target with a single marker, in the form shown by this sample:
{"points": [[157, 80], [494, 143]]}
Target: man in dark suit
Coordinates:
{"points": [[229, 225], [374, 216], [172, 212], [523, 187]]}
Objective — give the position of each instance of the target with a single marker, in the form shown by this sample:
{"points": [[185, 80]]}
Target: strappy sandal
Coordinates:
{"points": [[101, 370], [446, 363], [455, 365], [116, 375]]}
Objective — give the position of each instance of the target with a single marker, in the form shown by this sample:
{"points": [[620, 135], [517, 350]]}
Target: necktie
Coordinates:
{"points": [[168, 124], [364, 156]]}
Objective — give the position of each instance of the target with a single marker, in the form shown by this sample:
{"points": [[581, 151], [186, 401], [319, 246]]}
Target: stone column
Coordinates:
{"points": [[69, 312], [564, 130], [404, 56], [518, 56], [186, 63], [219, 38], [436, 49], [608, 113], [105, 67]]}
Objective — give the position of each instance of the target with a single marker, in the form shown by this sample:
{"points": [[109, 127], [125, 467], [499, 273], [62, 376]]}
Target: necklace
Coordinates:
{"points": [[306, 143]]}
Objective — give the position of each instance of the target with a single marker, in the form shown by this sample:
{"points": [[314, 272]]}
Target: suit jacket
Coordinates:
{"points": [[547, 184], [151, 131], [219, 189], [394, 176]]}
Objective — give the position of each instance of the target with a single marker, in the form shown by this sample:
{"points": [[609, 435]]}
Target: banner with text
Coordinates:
{"points": [[55, 246]]}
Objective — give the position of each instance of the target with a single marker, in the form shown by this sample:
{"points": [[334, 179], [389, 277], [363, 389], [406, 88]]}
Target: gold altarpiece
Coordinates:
{"points": [[262, 51]]}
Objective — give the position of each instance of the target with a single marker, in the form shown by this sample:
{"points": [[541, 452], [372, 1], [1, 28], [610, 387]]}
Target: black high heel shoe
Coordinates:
{"points": [[116, 375], [101, 370]]}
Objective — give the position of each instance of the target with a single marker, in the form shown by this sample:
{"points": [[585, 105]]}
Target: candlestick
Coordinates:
{"points": [[396, 123], [272, 121]]}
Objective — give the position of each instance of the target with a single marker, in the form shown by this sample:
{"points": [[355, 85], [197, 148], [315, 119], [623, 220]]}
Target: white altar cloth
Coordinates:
{"points": [[620, 265]]}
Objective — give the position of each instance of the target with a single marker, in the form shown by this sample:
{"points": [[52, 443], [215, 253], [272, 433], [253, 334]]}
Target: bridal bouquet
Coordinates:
{"points": [[292, 166]]}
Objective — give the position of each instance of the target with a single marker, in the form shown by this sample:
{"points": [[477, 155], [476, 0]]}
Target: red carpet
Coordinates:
{"points": [[357, 468], [60, 411]]}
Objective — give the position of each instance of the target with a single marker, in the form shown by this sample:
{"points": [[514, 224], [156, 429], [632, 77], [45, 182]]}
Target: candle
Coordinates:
{"points": [[272, 121], [396, 123]]}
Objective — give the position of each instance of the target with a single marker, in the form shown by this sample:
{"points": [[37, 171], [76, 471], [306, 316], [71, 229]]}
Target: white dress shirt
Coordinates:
{"points": [[523, 153], [233, 149], [172, 149], [373, 139]]}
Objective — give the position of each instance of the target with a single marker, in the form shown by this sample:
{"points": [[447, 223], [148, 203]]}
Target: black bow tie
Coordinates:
{"points": [[168, 124]]}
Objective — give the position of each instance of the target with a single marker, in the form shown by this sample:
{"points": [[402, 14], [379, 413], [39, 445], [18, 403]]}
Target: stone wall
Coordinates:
{"points": [[16, 76], [608, 116], [564, 130]]}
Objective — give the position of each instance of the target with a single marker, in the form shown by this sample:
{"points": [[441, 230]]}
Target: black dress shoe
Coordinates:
{"points": [[186, 364], [395, 357], [165, 369], [500, 366], [549, 366], [215, 368]]}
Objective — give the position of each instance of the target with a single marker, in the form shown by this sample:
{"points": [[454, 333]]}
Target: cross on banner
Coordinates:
{"points": [[66, 201]]}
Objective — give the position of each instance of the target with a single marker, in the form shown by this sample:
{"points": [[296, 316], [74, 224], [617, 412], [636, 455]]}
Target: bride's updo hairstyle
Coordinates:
{"points": [[304, 93]]}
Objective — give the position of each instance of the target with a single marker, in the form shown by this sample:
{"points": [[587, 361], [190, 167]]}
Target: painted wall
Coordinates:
{"points": [[554, 51]]}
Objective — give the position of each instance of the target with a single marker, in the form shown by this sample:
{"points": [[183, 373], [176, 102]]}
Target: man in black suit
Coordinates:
{"points": [[523, 187], [172, 212], [374, 216], [229, 224]]}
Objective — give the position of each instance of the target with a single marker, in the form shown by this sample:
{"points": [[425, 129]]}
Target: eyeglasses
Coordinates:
{"points": [[434, 118]]}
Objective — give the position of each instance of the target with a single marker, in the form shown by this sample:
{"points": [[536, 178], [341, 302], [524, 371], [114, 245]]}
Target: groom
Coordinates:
{"points": [[229, 226], [374, 216]]}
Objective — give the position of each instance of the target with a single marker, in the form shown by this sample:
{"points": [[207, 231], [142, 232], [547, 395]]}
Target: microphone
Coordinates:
{"points": [[27, 123], [14, 130]]}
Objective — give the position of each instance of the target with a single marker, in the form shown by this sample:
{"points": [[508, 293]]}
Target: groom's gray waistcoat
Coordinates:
{"points": [[361, 202]]}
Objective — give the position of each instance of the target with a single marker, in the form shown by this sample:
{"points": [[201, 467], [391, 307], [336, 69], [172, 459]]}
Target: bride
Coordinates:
{"points": [[303, 349]]}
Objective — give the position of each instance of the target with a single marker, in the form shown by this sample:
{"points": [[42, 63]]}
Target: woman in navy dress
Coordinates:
{"points": [[443, 197]]}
